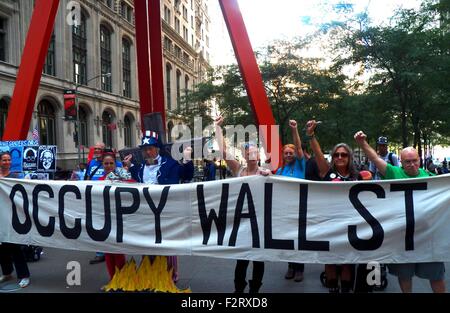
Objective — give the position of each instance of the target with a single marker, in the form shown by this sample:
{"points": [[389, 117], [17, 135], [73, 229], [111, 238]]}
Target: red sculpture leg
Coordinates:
{"points": [[156, 58], [30, 70], [251, 75], [143, 59]]}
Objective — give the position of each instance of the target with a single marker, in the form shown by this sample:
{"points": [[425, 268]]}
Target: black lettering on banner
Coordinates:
{"points": [[378, 233], [103, 233], [44, 231], [409, 209], [157, 210], [121, 210], [16, 224], [269, 241], [303, 243], [69, 233], [206, 220], [245, 192]]}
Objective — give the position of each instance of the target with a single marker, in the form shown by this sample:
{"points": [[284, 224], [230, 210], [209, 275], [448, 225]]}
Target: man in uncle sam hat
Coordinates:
{"points": [[160, 169]]}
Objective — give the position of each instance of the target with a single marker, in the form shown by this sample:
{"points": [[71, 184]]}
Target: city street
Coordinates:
{"points": [[200, 274]]}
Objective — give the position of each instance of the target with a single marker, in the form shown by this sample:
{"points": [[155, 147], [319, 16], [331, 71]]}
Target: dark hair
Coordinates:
{"points": [[3, 153], [109, 152]]}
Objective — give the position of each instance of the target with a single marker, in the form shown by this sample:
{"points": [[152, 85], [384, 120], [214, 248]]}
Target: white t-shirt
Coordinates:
{"points": [[151, 172]]}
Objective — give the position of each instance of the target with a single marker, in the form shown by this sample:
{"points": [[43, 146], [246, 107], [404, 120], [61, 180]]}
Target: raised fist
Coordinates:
{"points": [[310, 127], [360, 137], [292, 124], [219, 120]]}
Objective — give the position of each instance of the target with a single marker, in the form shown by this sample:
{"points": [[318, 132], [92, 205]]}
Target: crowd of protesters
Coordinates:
{"points": [[159, 168]]}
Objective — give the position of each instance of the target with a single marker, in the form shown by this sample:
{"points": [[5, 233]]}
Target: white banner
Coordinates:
{"points": [[257, 218]]}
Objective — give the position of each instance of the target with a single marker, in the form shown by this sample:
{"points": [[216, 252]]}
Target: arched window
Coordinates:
{"points": [[127, 131], [186, 87], [126, 67], [46, 120], [105, 57], [178, 89], [84, 130], [168, 82], [3, 115], [107, 127], [79, 51]]}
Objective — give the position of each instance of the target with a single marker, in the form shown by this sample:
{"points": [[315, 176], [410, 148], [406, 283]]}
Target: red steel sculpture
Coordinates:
{"points": [[149, 61]]}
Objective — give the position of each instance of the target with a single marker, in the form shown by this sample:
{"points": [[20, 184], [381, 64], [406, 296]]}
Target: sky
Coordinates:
{"points": [[267, 20]]}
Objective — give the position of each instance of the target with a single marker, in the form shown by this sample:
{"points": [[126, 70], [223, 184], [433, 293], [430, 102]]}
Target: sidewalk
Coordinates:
{"points": [[200, 274]]}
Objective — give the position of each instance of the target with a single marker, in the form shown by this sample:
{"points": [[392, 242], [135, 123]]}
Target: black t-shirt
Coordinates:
{"points": [[335, 176], [312, 171]]}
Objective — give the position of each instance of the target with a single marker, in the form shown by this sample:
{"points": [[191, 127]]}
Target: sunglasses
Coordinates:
{"points": [[340, 155]]}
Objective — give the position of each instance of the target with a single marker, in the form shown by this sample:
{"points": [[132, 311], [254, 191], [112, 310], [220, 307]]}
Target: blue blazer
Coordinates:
{"points": [[170, 172]]}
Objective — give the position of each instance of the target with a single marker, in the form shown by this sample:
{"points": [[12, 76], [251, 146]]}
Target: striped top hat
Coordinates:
{"points": [[150, 139]]}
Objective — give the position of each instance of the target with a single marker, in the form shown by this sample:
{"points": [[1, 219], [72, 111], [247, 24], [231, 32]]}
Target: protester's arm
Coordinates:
{"points": [[296, 137], [322, 164], [186, 171], [229, 159], [380, 164]]}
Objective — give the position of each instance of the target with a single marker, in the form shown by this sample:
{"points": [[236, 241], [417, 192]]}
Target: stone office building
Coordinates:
{"points": [[98, 59]]}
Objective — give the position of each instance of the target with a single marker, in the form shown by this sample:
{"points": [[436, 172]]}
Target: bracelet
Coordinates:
{"points": [[311, 136]]}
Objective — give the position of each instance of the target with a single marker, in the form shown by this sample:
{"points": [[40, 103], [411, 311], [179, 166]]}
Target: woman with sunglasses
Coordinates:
{"points": [[341, 168], [251, 157], [10, 253], [114, 173], [293, 165]]}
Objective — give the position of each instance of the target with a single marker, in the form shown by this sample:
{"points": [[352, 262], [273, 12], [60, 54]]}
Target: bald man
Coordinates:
{"points": [[433, 271]]}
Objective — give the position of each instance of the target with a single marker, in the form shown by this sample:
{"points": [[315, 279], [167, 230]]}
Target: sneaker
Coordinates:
{"points": [[24, 282], [298, 276], [5, 278], [290, 273], [97, 259]]}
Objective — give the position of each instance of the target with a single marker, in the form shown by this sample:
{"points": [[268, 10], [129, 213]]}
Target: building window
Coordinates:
{"points": [[126, 64], [79, 51], [178, 90], [185, 13], [186, 86], [177, 25], [83, 127], [126, 11], [167, 15], [178, 52], [49, 66], [46, 120], [167, 44], [127, 132], [109, 3], [192, 4], [3, 116], [168, 82], [185, 34], [105, 56], [2, 39], [107, 129]]}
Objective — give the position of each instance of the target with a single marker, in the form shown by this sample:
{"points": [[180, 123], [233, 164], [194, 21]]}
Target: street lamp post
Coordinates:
{"points": [[77, 123]]}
